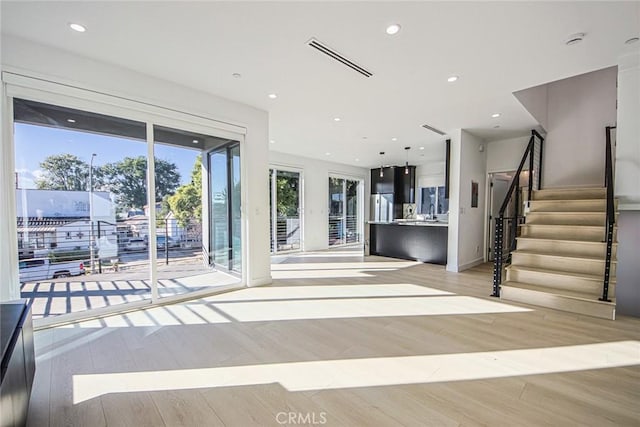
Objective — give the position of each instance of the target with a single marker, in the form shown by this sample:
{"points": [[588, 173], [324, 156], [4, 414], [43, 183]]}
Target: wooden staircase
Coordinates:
{"points": [[559, 259]]}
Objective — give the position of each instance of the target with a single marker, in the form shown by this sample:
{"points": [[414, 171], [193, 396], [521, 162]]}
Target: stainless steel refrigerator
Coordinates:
{"points": [[381, 207]]}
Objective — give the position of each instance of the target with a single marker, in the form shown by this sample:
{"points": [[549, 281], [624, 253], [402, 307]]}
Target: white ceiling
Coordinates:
{"points": [[495, 47]]}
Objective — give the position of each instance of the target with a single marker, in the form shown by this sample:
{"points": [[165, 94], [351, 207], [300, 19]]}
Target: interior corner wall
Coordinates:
{"points": [[627, 189], [505, 154], [455, 167], [315, 175], [39, 61], [471, 223], [578, 109], [466, 223], [535, 100]]}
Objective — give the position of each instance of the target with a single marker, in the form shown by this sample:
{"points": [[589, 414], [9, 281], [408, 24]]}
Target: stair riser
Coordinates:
{"points": [[552, 218], [562, 233], [571, 265], [594, 205], [559, 282], [566, 248], [558, 302], [576, 194]]}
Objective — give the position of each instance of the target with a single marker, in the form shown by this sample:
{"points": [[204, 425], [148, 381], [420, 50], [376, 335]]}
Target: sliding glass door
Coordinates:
{"points": [[345, 211], [285, 198], [225, 230]]}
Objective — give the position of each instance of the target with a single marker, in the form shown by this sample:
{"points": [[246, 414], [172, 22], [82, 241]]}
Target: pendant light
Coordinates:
{"points": [[406, 164], [381, 164]]}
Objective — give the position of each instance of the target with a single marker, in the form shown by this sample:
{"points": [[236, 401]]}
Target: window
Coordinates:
{"points": [[345, 223], [81, 196], [285, 198], [433, 201]]}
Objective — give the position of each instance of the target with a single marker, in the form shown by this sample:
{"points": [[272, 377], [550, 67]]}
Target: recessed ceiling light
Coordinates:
{"points": [[394, 139], [77, 27], [357, 160], [574, 39], [236, 75], [452, 79], [393, 29], [272, 141], [327, 154], [273, 95], [632, 40], [336, 119], [495, 115], [71, 121], [195, 141], [422, 148]]}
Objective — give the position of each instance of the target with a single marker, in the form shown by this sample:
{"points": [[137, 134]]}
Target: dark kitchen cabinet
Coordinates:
{"points": [[382, 184], [404, 189], [395, 181]]}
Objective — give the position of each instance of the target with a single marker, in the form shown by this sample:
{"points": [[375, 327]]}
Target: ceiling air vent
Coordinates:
{"points": [[321, 47], [432, 129]]}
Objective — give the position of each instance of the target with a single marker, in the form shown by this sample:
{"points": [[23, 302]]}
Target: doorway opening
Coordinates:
{"points": [[285, 199]]}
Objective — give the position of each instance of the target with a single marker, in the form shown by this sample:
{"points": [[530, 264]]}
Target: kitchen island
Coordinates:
{"points": [[414, 240]]}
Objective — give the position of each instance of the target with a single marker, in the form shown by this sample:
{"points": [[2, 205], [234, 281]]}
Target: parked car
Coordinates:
{"points": [[44, 269], [162, 241], [136, 244]]}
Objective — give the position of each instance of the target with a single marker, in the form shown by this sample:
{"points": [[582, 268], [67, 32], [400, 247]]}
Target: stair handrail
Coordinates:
{"points": [[610, 215], [513, 191]]}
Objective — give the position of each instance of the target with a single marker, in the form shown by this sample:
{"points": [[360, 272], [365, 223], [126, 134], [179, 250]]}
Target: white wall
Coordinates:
{"points": [[577, 111], [506, 154], [316, 193], [628, 133], [466, 224], [455, 168], [536, 100], [627, 188], [24, 57], [430, 173], [471, 223]]}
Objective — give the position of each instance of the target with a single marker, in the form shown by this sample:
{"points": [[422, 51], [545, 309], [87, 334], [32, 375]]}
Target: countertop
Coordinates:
{"points": [[412, 223]]}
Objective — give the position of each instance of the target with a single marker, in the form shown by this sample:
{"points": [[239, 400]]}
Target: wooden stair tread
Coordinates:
{"points": [[583, 296], [594, 277], [562, 240], [568, 200], [562, 225], [567, 213], [590, 258]]}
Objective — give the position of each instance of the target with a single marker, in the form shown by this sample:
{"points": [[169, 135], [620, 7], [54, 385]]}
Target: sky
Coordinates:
{"points": [[34, 143]]}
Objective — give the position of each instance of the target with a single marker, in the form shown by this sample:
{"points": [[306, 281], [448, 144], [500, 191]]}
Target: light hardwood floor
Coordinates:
{"points": [[354, 342]]}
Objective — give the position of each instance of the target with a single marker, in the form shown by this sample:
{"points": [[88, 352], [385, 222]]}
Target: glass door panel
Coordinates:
{"points": [[336, 212], [219, 207], [225, 240], [344, 211], [352, 212], [285, 215], [236, 216]]}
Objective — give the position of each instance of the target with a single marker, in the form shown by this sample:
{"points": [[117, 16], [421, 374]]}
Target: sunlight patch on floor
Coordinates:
{"points": [[326, 273], [343, 265], [368, 372], [262, 311], [328, 291]]}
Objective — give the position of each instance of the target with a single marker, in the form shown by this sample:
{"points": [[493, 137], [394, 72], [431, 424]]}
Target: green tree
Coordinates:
{"points": [[64, 172], [287, 195], [186, 203], [127, 179]]}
